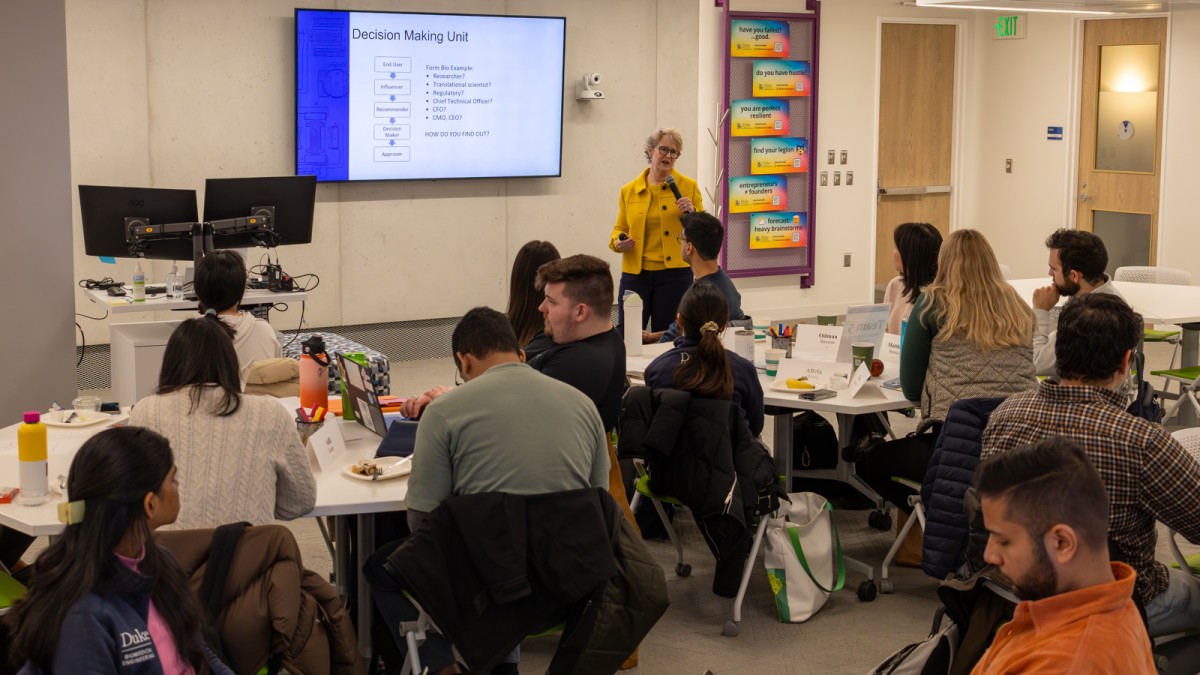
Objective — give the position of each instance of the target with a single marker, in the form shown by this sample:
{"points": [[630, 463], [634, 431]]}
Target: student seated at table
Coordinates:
{"points": [[1046, 511], [699, 362], [524, 298], [508, 428], [699, 246], [969, 335], [220, 284], [240, 456], [104, 598], [915, 260]]}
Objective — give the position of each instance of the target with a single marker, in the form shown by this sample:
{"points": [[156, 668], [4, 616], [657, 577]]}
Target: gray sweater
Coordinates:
{"points": [[1045, 336], [247, 466]]}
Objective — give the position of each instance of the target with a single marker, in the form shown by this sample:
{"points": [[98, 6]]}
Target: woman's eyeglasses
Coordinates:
{"points": [[665, 151]]}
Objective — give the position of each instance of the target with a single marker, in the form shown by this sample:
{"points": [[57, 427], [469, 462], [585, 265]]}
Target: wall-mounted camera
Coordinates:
{"points": [[585, 88]]}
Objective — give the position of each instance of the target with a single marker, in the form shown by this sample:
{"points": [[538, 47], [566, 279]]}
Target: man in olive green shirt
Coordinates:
{"points": [[508, 429]]}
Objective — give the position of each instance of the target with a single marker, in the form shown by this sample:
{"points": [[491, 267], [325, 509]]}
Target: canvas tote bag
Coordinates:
{"points": [[800, 547]]}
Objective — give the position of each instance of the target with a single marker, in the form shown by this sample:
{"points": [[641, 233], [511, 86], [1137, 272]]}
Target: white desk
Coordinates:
{"points": [[1157, 303], [337, 495], [781, 406], [160, 303]]}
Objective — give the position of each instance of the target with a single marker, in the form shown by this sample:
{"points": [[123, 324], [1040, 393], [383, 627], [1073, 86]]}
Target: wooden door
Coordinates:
{"points": [[1120, 136], [916, 130]]}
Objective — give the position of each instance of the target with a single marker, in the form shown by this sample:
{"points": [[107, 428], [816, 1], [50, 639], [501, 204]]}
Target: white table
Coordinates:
{"points": [[160, 302], [350, 501], [781, 406], [1157, 303]]}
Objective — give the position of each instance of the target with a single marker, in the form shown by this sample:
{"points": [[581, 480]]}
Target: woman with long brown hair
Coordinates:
{"points": [[523, 297], [700, 364], [970, 335]]}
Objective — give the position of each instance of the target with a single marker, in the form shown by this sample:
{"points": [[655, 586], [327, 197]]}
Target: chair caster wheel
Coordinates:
{"points": [[885, 586], [866, 591], [880, 520], [683, 569], [731, 629]]}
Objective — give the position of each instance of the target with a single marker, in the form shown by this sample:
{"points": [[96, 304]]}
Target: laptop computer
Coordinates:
{"points": [[399, 434], [360, 390]]}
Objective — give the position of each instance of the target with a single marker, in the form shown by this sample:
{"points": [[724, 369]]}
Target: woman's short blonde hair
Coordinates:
{"points": [[654, 139]]}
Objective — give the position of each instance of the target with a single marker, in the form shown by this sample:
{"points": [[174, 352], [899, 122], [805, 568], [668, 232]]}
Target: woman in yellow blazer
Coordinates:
{"points": [[648, 230]]}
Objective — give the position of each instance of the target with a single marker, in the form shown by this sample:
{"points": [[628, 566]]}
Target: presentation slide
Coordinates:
{"points": [[387, 96]]}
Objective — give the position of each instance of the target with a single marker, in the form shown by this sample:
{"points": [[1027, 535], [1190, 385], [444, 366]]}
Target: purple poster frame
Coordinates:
{"points": [[804, 268]]}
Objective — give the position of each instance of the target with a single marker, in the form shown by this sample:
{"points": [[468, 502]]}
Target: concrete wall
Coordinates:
{"points": [[35, 213], [168, 93]]}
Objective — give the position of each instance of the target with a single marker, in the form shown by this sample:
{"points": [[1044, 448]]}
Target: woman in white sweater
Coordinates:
{"points": [[220, 284], [239, 457]]}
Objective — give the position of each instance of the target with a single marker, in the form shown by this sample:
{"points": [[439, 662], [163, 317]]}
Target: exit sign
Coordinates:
{"points": [[1009, 27]]}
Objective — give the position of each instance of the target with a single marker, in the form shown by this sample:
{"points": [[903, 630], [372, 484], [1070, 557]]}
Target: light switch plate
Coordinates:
{"points": [[837, 177], [849, 178], [831, 156], [845, 260], [824, 177], [844, 156]]}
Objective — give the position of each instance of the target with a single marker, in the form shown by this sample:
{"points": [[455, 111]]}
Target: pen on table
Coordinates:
{"points": [[302, 414]]}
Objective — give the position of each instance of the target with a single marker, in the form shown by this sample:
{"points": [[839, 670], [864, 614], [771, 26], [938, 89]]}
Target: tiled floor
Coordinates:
{"points": [[846, 636]]}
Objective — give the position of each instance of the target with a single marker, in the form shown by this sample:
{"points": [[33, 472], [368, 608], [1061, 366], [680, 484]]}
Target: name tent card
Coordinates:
{"points": [[327, 443], [817, 343], [864, 323]]}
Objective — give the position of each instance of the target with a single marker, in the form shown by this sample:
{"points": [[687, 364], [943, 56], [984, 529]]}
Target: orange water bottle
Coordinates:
{"points": [[31, 453], [314, 374]]}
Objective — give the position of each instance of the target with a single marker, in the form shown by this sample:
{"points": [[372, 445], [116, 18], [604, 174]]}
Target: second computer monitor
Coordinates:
{"points": [[292, 196]]}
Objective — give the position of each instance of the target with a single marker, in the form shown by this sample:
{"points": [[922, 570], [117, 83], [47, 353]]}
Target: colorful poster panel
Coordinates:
{"points": [[757, 193], [778, 230], [782, 78], [778, 155], [758, 38], [760, 117]]}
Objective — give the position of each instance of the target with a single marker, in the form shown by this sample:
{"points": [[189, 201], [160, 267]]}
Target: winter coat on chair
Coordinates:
{"points": [[701, 452], [951, 471], [271, 604]]}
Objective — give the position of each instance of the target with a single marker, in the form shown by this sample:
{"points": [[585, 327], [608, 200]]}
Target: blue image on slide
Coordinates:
{"points": [[323, 94]]}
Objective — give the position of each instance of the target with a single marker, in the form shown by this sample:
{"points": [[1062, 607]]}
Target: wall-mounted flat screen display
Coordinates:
{"points": [[403, 96]]}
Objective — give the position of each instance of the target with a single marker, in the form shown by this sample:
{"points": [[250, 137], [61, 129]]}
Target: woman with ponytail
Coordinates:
{"points": [[700, 364], [104, 598], [220, 284], [240, 455]]}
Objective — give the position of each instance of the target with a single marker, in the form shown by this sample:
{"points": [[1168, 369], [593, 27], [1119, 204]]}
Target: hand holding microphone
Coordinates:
{"points": [[625, 243], [684, 204]]}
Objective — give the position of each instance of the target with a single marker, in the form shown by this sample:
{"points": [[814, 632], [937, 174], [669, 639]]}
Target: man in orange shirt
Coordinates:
{"points": [[1046, 510]]}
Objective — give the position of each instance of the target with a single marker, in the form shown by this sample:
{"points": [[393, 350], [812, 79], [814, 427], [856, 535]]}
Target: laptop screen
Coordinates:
{"points": [[360, 390]]}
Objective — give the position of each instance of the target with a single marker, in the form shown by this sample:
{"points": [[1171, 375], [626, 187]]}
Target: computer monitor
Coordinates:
{"points": [[104, 210], [292, 196]]}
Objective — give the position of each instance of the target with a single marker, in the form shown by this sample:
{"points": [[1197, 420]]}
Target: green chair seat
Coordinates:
{"points": [[1189, 374], [1151, 335], [1193, 562], [643, 487], [11, 590]]}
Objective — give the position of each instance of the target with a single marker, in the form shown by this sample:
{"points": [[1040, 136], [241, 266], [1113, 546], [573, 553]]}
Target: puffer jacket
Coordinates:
{"points": [[951, 471], [701, 452], [272, 604]]}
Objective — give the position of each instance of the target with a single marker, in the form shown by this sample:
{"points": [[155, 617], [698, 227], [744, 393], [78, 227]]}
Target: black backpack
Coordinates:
{"points": [[1146, 402]]}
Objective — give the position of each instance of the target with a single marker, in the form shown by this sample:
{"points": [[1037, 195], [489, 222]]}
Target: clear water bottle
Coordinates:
{"points": [[139, 282], [175, 283]]}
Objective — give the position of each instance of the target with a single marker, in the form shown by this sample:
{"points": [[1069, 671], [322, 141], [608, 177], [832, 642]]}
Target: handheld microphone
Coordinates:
{"points": [[622, 236], [674, 188]]}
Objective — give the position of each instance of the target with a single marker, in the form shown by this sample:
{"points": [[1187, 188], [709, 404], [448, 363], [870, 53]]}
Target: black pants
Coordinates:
{"points": [[12, 546], [907, 458], [660, 290]]}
